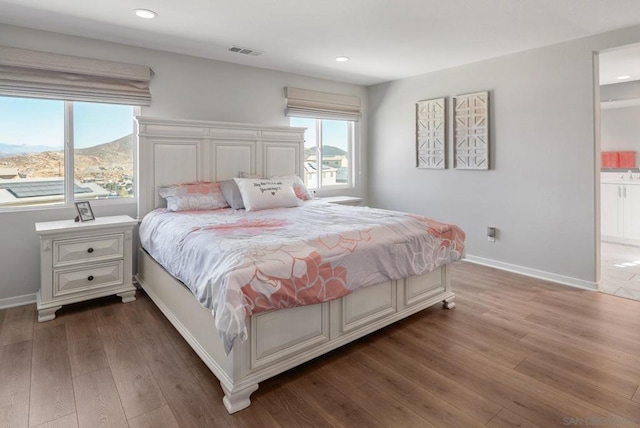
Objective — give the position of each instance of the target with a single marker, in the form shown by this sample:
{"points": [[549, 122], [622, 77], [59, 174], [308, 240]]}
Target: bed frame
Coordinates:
{"points": [[176, 151]]}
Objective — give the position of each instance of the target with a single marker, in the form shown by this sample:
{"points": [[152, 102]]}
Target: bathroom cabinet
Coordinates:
{"points": [[620, 212]]}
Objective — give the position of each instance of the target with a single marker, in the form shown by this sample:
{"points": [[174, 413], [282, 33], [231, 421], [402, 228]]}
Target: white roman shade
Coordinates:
{"points": [[321, 105], [34, 74]]}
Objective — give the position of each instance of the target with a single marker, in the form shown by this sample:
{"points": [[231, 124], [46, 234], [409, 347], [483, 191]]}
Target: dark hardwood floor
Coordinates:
{"points": [[515, 351]]}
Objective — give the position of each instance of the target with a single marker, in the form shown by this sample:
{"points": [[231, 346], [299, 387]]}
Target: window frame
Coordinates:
{"points": [[69, 170], [352, 135]]}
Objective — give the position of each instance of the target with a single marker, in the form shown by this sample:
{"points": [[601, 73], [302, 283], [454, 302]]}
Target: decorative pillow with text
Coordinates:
{"points": [[264, 193], [298, 185]]}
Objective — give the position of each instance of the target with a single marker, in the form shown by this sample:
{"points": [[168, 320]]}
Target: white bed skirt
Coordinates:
{"points": [[280, 340]]}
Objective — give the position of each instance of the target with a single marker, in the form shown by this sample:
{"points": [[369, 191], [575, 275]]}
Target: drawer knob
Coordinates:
{"points": [[90, 278], [90, 250]]}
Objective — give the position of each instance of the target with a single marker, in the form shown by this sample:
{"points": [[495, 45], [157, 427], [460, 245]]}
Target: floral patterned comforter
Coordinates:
{"points": [[239, 263]]}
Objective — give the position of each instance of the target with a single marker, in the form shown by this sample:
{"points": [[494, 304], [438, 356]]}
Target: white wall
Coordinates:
{"points": [[620, 130], [620, 127], [540, 192], [183, 87], [620, 91]]}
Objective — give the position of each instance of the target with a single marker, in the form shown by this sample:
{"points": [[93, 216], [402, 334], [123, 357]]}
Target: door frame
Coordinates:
{"points": [[597, 166]]}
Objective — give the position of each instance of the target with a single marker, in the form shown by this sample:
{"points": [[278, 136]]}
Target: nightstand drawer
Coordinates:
{"points": [[92, 249], [84, 278]]}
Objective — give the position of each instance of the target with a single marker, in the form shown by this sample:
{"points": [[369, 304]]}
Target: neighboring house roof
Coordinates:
{"points": [[29, 191], [8, 172], [313, 167]]}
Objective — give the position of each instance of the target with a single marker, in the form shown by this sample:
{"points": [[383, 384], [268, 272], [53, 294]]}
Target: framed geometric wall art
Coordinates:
{"points": [[471, 131], [431, 148]]}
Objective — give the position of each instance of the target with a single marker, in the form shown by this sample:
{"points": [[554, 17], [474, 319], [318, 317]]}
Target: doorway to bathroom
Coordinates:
{"points": [[619, 71]]}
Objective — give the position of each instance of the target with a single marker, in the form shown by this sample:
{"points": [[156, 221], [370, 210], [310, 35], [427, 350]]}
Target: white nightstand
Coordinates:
{"points": [[81, 261], [343, 200]]}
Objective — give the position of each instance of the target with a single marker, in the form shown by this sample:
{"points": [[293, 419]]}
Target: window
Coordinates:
{"points": [[35, 168], [328, 152]]}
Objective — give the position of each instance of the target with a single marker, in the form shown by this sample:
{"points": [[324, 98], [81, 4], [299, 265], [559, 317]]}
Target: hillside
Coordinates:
{"points": [[7, 150], [104, 162], [326, 151]]}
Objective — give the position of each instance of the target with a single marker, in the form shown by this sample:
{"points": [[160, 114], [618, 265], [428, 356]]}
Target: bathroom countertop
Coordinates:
{"points": [[635, 181]]}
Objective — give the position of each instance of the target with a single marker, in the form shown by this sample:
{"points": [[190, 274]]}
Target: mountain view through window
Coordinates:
{"points": [[328, 160], [33, 169]]}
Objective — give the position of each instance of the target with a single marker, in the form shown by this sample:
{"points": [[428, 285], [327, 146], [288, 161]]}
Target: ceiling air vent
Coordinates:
{"points": [[245, 51]]}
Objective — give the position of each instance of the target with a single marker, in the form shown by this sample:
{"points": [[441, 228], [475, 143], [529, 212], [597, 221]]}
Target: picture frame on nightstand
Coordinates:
{"points": [[85, 213]]}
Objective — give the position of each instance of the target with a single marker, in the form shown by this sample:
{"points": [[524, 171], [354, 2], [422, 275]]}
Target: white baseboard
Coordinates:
{"points": [[540, 274], [10, 302]]}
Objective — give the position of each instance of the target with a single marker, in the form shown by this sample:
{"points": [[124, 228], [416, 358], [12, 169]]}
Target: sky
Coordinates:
{"points": [[334, 132], [37, 122]]}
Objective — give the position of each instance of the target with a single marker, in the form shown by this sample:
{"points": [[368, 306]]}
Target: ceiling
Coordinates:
{"points": [[385, 39]]}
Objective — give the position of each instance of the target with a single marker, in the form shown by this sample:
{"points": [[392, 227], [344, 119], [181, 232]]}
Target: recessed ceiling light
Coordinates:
{"points": [[342, 59], [145, 13], [623, 77]]}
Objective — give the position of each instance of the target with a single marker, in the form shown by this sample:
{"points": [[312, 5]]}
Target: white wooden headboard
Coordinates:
{"points": [[180, 151]]}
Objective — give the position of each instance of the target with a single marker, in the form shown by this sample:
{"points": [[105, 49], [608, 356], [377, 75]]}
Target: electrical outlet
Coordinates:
{"points": [[491, 234]]}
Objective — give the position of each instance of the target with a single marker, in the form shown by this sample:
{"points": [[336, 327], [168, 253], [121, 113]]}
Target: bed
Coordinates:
{"points": [[274, 340]]}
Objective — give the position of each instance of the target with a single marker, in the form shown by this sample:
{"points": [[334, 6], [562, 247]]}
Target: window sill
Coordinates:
{"points": [[342, 200], [58, 207]]}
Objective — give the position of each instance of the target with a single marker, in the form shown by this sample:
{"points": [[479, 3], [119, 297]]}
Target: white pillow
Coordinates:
{"points": [[264, 193]]}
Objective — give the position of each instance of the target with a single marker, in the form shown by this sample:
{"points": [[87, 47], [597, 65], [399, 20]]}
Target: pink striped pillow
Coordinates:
{"points": [[197, 196]]}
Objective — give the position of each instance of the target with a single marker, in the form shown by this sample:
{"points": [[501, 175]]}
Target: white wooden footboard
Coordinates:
{"points": [[280, 340]]}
